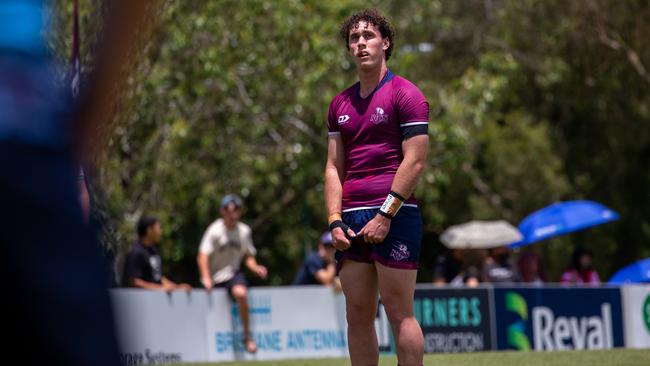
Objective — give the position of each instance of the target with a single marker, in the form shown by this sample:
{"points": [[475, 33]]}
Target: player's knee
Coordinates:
{"points": [[239, 292], [360, 314], [398, 312]]}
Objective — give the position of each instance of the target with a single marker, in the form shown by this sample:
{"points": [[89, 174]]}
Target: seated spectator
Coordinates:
{"points": [[143, 266], [319, 268], [581, 270], [447, 266], [470, 274], [531, 269], [498, 266]]}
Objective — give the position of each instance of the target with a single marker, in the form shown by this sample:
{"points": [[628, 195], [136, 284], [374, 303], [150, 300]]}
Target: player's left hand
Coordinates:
{"points": [[375, 230], [261, 271]]}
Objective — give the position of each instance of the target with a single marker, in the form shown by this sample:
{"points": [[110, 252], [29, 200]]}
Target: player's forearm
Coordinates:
{"points": [[139, 283], [202, 261], [251, 263], [333, 190]]}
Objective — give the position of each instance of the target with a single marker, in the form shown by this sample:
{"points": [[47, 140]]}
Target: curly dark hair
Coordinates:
{"points": [[371, 16]]}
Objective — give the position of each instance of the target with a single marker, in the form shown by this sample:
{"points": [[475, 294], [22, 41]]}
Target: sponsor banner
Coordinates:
{"points": [[636, 310], [454, 320], [159, 328], [558, 318], [296, 322]]}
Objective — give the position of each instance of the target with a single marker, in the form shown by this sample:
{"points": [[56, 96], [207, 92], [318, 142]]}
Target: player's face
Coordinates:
{"points": [[366, 46]]}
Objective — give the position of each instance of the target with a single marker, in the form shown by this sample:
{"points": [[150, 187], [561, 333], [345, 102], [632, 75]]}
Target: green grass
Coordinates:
{"points": [[617, 357]]}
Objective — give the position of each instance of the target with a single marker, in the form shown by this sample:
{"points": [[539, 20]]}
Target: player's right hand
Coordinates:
{"points": [[340, 239]]}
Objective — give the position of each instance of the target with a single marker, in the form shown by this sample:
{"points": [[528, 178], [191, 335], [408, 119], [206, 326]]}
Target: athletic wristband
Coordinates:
{"points": [[391, 205], [342, 225]]}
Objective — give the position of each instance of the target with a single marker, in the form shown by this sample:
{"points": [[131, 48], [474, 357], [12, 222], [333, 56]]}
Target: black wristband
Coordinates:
{"points": [[398, 196], [342, 225], [386, 215]]}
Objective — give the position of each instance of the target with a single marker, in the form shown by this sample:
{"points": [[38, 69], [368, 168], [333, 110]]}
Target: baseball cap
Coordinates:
{"points": [[326, 238], [231, 198]]}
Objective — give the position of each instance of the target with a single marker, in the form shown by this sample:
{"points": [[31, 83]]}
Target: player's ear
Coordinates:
{"points": [[386, 43]]}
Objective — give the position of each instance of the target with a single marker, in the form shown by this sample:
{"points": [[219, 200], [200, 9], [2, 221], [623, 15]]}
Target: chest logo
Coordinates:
{"points": [[379, 116], [343, 119]]}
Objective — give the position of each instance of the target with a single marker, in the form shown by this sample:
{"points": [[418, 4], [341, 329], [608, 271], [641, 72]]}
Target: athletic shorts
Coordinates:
{"points": [[238, 279], [400, 249]]}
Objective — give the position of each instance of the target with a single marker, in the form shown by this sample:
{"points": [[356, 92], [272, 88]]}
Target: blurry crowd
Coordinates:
{"points": [[471, 267]]}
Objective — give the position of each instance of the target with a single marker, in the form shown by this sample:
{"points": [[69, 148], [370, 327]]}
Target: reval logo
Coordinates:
{"points": [[517, 332], [379, 116], [646, 313], [551, 332], [343, 119]]}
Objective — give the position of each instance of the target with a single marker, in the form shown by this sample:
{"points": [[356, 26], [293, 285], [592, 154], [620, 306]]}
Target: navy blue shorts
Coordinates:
{"points": [[238, 279], [400, 249]]}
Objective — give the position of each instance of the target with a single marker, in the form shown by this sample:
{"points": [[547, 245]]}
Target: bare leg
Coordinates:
{"points": [[397, 287], [240, 293], [359, 281]]}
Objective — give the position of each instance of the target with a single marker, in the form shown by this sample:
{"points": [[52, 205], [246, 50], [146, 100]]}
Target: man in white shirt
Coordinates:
{"points": [[227, 243]]}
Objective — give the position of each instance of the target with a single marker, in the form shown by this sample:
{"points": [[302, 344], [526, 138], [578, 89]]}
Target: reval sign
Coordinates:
{"points": [[558, 318]]}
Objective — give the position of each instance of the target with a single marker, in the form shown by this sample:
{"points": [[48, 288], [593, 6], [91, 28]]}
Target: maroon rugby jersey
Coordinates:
{"points": [[371, 129]]}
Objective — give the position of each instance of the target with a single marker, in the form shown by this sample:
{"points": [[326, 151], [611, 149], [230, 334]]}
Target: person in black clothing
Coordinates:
{"points": [[319, 268], [143, 267], [447, 266]]}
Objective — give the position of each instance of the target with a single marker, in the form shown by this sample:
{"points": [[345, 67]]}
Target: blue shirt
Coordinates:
{"points": [[306, 274]]}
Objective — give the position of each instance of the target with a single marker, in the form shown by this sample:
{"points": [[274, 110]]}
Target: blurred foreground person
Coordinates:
{"points": [[227, 243], [55, 297]]}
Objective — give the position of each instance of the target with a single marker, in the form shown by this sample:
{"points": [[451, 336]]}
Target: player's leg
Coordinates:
{"points": [[359, 282], [239, 292], [397, 287]]}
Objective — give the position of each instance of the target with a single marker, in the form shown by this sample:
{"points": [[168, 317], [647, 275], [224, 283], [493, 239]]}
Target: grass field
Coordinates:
{"points": [[617, 357]]}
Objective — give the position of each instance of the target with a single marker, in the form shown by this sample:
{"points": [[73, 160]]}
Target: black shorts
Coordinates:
{"points": [[238, 279]]}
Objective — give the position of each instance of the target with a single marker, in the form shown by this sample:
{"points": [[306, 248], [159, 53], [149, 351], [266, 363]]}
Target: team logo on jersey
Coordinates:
{"points": [[343, 119], [379, 116]]}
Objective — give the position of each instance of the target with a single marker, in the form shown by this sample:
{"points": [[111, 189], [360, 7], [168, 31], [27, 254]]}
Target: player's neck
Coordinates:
{"points": [[370, 78]]}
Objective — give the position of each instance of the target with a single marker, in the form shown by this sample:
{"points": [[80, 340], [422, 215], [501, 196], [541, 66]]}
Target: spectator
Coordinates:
{"points": [[225, 244], [581, 270], [319, 268], [472, 269], [143, 266], [447, 266], [498, 267], [531, 269]]}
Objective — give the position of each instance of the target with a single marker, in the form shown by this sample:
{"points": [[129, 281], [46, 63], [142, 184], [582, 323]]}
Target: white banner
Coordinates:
{"points": [[636, 313], [295, 322], [287, 322]]}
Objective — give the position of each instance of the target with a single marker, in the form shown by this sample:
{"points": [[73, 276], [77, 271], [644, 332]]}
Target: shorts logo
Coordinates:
{"points": [[400, 253], [343, 119], [379, 117]]}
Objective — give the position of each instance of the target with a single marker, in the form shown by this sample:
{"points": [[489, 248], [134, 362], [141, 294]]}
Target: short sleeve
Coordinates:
{"points": [[247, 240], [413, 110], [133, 268], [207, 242], [332, 119]]}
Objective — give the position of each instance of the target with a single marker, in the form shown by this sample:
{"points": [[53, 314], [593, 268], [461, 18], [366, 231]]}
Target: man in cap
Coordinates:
{"points": [[320, 267], [227, 243]]}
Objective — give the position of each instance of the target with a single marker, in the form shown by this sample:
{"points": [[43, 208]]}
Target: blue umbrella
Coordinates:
{"points": [[561, 218], [638, 271]]}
